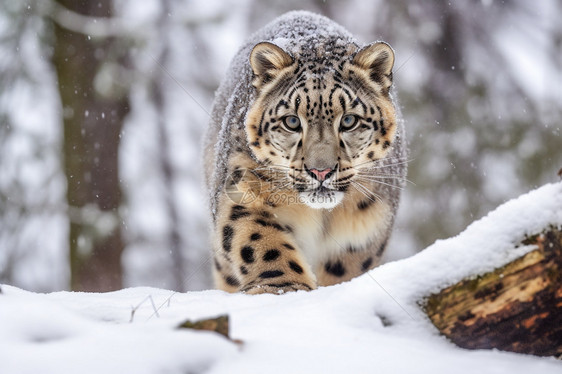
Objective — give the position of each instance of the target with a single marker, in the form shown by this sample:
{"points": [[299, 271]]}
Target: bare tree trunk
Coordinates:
{"points": [[92, 127], [174, 237], [157, 92]]}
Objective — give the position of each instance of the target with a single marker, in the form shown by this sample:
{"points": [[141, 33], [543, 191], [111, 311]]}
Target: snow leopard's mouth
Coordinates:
{"points": [[323, 190], [329, 188], [318, 190], [328, 192]]}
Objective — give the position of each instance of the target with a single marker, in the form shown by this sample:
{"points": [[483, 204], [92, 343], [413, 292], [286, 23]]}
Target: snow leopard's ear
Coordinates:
{"points": [[267, 60], [378, 60]]}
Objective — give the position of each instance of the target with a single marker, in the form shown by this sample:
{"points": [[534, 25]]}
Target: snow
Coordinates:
{"points": [[373, 322]]}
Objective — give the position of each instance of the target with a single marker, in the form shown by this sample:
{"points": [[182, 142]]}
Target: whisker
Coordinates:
{"points": [[395, 176], [377, 178], [278, 179], [398, 161], [380, 160], [360, 188], [383, 176], [284, 186], [385, 184], [365, 191], [271, 167]]}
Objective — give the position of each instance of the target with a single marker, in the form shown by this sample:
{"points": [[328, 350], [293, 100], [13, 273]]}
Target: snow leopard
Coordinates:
{"points": [[304, 158]]}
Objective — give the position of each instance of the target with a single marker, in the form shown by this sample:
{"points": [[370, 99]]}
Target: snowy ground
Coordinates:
{"points": [[371, 324]]}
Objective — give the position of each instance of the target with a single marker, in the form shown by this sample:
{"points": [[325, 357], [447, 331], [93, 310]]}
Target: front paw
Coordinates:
{"points": [[277, 289]]}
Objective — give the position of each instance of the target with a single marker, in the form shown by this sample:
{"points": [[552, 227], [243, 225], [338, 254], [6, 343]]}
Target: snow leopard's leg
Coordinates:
{"points": [[254, 251]]}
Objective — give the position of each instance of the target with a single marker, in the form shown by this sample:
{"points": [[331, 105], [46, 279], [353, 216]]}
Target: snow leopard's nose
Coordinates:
{"points": [[320, 175]]}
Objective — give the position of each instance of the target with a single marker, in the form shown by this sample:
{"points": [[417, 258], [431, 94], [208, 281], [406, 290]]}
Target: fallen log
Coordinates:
{"points": [[516, 308]]}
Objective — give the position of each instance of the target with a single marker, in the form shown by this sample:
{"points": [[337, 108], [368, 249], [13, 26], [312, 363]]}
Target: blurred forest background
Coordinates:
{"points": [[103, 104]]}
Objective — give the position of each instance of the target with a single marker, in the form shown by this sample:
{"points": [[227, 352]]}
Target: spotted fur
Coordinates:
{"points": [[304, 158]]}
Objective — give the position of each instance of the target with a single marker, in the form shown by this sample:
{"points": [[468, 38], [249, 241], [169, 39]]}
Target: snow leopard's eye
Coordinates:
{"points": [[292, 123], [348, 122]]}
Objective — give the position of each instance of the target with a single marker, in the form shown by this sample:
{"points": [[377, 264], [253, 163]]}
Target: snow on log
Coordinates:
{"points": [[516, 307]]}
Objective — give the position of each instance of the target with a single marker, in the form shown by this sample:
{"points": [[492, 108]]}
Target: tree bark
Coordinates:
{"points": [[515, 308], [92, 127], [219, 325]]}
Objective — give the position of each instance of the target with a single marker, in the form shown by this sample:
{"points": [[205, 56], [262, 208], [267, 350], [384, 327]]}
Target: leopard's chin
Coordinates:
{"points": [[322, 198]]}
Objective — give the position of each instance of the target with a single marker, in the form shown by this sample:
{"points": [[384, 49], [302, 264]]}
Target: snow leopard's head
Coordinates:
{"points": [[321, 116]]}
